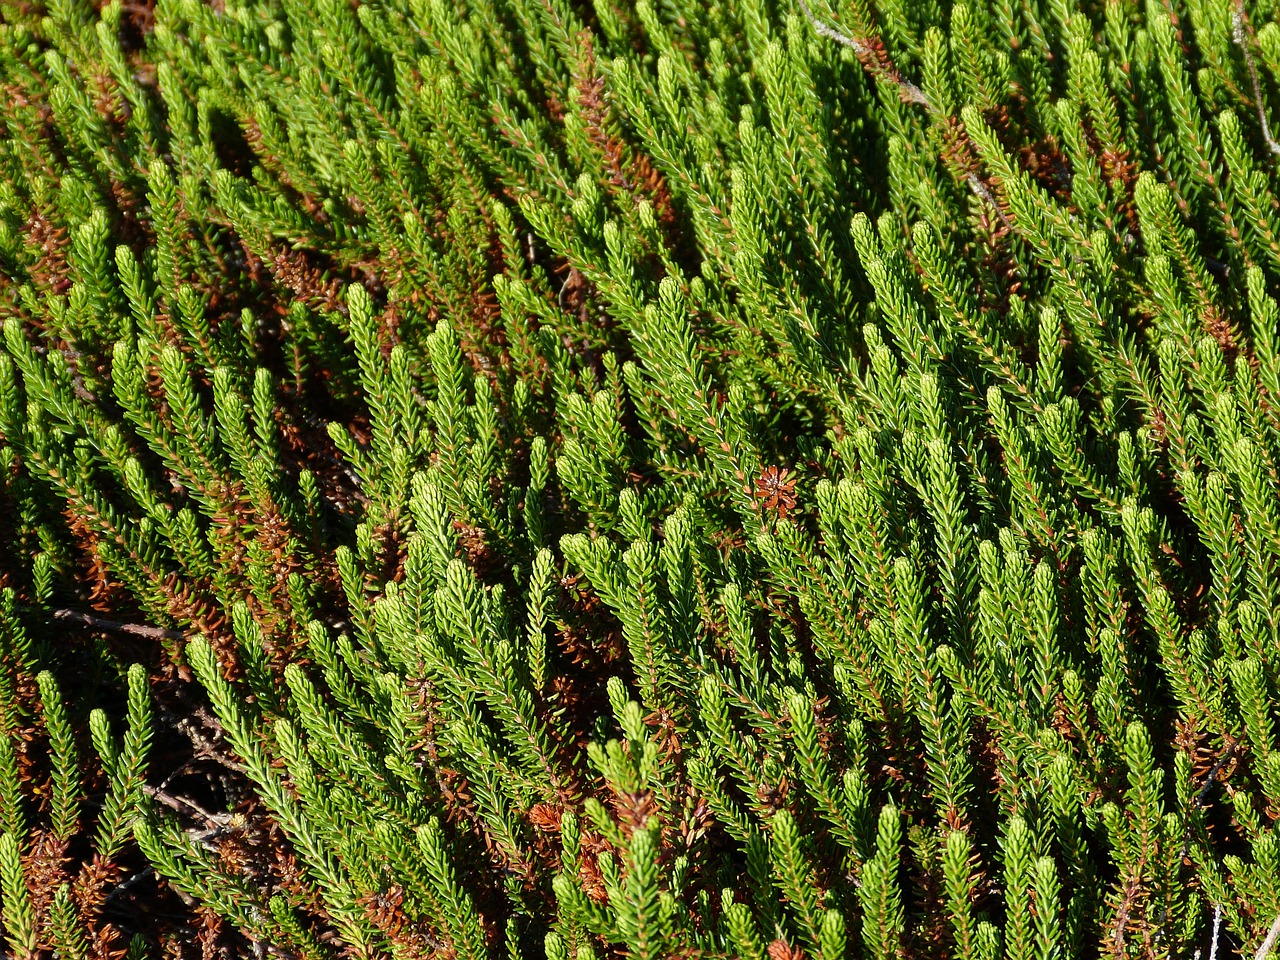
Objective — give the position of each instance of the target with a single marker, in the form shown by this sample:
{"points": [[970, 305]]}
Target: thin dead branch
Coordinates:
{"points": [[1269, 943], [1242, 33], [875, 60], [113, 626]]}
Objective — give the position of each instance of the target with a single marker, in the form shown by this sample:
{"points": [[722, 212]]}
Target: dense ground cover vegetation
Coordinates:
{"points": [[692, 478]]}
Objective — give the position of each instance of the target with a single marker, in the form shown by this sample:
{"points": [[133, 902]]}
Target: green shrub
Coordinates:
{"points": [[521, 478]]}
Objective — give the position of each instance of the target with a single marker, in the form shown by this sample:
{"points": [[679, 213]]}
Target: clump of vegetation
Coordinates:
{"points": [[709, 478]]}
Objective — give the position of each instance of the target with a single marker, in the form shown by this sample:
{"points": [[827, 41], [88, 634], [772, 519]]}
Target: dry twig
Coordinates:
{"points": [[1270, 942], [113, 626], [1242, 32], [876, 61]]}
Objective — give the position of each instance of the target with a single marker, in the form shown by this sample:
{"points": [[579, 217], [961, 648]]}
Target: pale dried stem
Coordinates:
{"points": [[1270, 942], [1242, 32], [908, 91], [113, 626]]}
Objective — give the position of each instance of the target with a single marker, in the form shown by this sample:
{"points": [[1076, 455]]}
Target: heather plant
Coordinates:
{"points": [[709, 478]]}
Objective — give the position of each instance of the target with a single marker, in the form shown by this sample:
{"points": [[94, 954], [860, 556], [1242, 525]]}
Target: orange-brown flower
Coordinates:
{"points": [[776, 490]]}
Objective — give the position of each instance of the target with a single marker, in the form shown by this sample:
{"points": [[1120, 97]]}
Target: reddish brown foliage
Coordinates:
{"points": [[629, 171], [51, 269], [781, 950], [775, 489], [104, 590], [309, 283]]}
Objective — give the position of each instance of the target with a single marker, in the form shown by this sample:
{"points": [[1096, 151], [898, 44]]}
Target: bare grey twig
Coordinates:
{"points": [[182, 804], [1213, 944], [908, 91], [983, 192], [113, 626], [1242, 32], [205, 747], [133, 881], [1269, 943]]}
